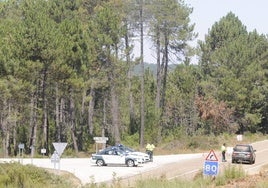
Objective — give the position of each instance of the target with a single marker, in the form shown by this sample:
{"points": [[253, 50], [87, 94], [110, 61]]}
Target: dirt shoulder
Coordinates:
{"points": [[258, 180], [166, 171], [189, 169]]}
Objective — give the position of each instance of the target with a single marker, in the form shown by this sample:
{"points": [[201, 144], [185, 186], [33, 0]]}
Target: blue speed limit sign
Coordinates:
{"points": [[211, 168]]}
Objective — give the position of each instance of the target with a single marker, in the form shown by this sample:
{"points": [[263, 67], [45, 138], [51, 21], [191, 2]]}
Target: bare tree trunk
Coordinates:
{"points": [[7, 142], [91, 109], [165, 72], [104, 123], [33, 124], [30, 141], [142, 78], [114, 100], [164, 80], [57, 113], [45, 118], [15, 140], [62, 120], [72, 121], [131, 101], [115, 114], [5, 129], [34, 145], [15, 134], [158, 74]]}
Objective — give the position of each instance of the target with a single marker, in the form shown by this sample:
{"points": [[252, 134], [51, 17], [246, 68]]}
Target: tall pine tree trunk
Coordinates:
{"points": [[62, 120], [34, 125], [5, 130], [57, 114], [91, 105], [166, 43], [45, 117], [132, 128], [14, 135], [115, 113], [158, 73], [142, 78], [72, 121]]}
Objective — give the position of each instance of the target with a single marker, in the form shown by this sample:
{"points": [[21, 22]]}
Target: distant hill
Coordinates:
{"points": [[152, 67]]}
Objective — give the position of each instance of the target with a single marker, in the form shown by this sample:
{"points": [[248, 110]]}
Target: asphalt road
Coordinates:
{"points": [[170, 166]]}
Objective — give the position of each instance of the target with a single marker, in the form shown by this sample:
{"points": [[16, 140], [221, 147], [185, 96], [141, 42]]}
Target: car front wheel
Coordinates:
{"points": [[130, 163], [100, 162]]}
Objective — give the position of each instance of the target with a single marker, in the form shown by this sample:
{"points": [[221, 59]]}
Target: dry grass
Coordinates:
{"points": [[199, 144]]}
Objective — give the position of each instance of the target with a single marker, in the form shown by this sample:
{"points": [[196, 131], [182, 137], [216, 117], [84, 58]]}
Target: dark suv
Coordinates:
{"points": [[243, 153]]}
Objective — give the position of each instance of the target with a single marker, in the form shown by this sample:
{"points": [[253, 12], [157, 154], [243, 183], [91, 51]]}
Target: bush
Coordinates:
{"points": [[17, 175], [230, 173]]}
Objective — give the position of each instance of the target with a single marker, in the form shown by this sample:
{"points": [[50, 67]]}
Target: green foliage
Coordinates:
{"points": [[55, 54], [230, 173], [164, 183], [131, 140], [231, 67], [17, 175], [181, 109]]}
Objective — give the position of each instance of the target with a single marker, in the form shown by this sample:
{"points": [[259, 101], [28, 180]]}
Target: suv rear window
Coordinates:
{"points": [[242, 148]]}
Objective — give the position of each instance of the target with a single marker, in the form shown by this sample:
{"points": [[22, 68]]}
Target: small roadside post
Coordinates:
{"points": [[100, 140], [211, 165], [59, 148], [55, 158], [21, 148], [239, 137], [43, 151]]}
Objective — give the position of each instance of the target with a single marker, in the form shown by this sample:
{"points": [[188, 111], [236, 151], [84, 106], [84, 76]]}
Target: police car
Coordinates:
{"points": [[145, 157], [115, 156]]}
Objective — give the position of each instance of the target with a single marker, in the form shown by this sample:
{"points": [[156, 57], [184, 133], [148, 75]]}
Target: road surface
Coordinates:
{"points": [[169, 166]]}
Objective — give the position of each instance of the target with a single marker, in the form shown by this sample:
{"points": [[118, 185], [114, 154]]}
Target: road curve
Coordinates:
{"points": [[168, 166], [189, 168]]}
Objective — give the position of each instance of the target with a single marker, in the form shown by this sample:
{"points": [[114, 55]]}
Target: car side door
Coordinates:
{"points": [[114, 157], [108, 156], [118, 157]]}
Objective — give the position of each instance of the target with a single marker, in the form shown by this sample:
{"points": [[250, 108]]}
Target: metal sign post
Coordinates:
{"points": [[100, 140], [59, 148], [55, 158], [21, 148]]}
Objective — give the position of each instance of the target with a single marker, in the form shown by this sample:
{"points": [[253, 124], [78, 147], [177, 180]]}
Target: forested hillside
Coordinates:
{"points": [[67, 74]]}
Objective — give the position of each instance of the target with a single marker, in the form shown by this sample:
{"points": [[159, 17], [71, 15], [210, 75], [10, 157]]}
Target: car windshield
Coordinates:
{"points": [[242, 148], [125, 149], [111, 151], [129, 149]]}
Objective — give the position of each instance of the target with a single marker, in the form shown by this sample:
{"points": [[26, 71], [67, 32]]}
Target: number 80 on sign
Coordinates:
{"points": [[211, 168]]}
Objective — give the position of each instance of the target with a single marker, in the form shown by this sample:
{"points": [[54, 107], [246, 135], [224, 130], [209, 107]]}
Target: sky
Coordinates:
{"points": [[252, 14]]}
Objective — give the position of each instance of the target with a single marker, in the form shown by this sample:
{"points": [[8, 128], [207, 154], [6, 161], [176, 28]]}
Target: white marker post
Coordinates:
{"points": [[21, 148], [100, 140], [59, 147]]}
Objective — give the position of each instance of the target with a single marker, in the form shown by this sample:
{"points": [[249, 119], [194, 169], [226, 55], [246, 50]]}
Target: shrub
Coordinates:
{"points": [[230, 173], [17, 175]]}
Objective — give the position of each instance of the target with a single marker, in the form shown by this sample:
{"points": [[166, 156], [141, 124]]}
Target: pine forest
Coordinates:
{"points": [[69, 72]]}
